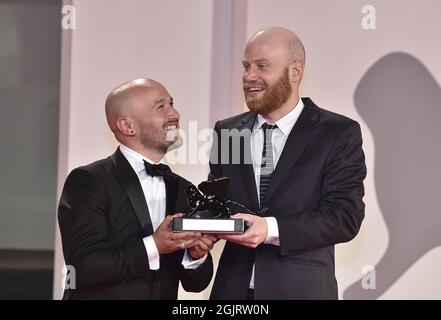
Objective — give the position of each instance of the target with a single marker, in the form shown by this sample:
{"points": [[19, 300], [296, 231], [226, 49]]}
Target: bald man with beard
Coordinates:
{"points": [[115, 214], [301, 168]]}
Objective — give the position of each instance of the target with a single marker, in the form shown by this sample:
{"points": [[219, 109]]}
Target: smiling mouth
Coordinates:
{"points": [[253, 92], [171, 127], [252, 89], [172, 133], [255, 89]]}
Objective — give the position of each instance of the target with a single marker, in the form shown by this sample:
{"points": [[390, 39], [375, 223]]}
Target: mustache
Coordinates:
{"points": [[248, 85], [172, 123]]}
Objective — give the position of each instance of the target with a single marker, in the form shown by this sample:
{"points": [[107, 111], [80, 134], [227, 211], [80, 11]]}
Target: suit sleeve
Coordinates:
{"points": [[83, 221], [196, 280], [341, 209]]}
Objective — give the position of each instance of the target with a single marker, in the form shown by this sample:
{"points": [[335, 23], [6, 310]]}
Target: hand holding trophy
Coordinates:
{"points": [[204, 198]]}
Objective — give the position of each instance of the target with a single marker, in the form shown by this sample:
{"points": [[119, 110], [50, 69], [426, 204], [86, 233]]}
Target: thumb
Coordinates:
{"points": [[241, 216], [248, 218], [166, 223]]}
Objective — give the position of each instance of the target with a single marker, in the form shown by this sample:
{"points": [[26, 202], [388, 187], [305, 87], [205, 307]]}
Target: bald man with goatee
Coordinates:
{"points": [[301, 171], [115, 214]]}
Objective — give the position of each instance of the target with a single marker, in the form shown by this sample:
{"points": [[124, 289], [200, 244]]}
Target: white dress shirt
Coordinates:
{"points": [[279, 137], [155, 195]]}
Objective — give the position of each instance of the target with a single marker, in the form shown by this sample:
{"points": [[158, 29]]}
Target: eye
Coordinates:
{"points": [[261, 66], [160, 106], [246, 66]]}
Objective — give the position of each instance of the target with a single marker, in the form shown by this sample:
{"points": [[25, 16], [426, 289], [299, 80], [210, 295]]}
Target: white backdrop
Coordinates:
{"points": [[178, 43]]}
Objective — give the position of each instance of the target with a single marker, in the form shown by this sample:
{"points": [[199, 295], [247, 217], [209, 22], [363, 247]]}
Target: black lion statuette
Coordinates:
{"points": [[205, 199]]}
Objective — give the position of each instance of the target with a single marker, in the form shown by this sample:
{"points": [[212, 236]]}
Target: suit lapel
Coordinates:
{"points": [[130, 182], [297, 140], [246, 169], [171, 191]]}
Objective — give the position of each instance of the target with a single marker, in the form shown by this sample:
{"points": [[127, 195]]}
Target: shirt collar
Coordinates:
{"points": [[135, 159], [285, 123]]}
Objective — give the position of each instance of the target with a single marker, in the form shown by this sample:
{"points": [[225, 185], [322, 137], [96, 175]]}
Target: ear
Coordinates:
{"points": [[296, 70], [126, 126]]}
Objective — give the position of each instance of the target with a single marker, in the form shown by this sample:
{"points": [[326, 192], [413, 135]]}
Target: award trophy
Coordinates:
{"points": [[218, 209]]}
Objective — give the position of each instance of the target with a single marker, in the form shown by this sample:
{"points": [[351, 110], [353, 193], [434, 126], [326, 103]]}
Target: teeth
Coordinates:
{"points": [[255, 89], [172, 134]]}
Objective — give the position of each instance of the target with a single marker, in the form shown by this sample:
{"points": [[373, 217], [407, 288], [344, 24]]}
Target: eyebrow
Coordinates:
{"points": [[162, 100], [256, 61], [262, 60]]}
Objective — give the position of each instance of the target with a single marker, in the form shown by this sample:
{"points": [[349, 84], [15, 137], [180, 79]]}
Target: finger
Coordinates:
{"points": [[196, 253], [240, 215], [201, 245], [244, 237], [176, 215], [210, 237], [181, 245], [204, 246], [163, 235], [187, 235], [207, 243], [245, 216], [187, 244], [166, 223], [231, 237]]}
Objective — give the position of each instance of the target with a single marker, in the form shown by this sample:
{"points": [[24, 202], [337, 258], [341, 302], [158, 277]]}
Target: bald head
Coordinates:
{"points": [[282, 37], [120, 101]]}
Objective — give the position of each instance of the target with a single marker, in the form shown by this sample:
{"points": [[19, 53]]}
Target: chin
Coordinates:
{"points": [[176, 144], [254, 107]]}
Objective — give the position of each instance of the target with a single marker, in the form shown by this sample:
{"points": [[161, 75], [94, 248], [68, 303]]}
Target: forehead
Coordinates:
{"points": [[146, 97], [267, 48], [152, 92]]}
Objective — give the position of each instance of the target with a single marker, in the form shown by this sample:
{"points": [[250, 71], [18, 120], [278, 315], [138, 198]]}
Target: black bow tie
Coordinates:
{"points": [[159, 170]]}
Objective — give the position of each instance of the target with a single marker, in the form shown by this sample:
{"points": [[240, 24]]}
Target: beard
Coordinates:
{"points": [[175, 143], [274, 96], [162, 142]]}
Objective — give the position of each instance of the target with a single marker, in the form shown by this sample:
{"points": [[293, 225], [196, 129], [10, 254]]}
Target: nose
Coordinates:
{"points": [[250, 75], [174, 114]]}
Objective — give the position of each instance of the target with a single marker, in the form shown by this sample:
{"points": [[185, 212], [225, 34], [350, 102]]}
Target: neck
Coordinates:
{"points": [[152, 155], [287, 107], [155, 156]]}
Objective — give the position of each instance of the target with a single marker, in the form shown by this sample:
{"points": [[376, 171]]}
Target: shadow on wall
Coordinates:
{"points": [[400, 101]]}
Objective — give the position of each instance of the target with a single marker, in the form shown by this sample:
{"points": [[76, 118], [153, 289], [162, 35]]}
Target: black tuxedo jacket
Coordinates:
{"points": [[103, 216], [315, 194]]}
